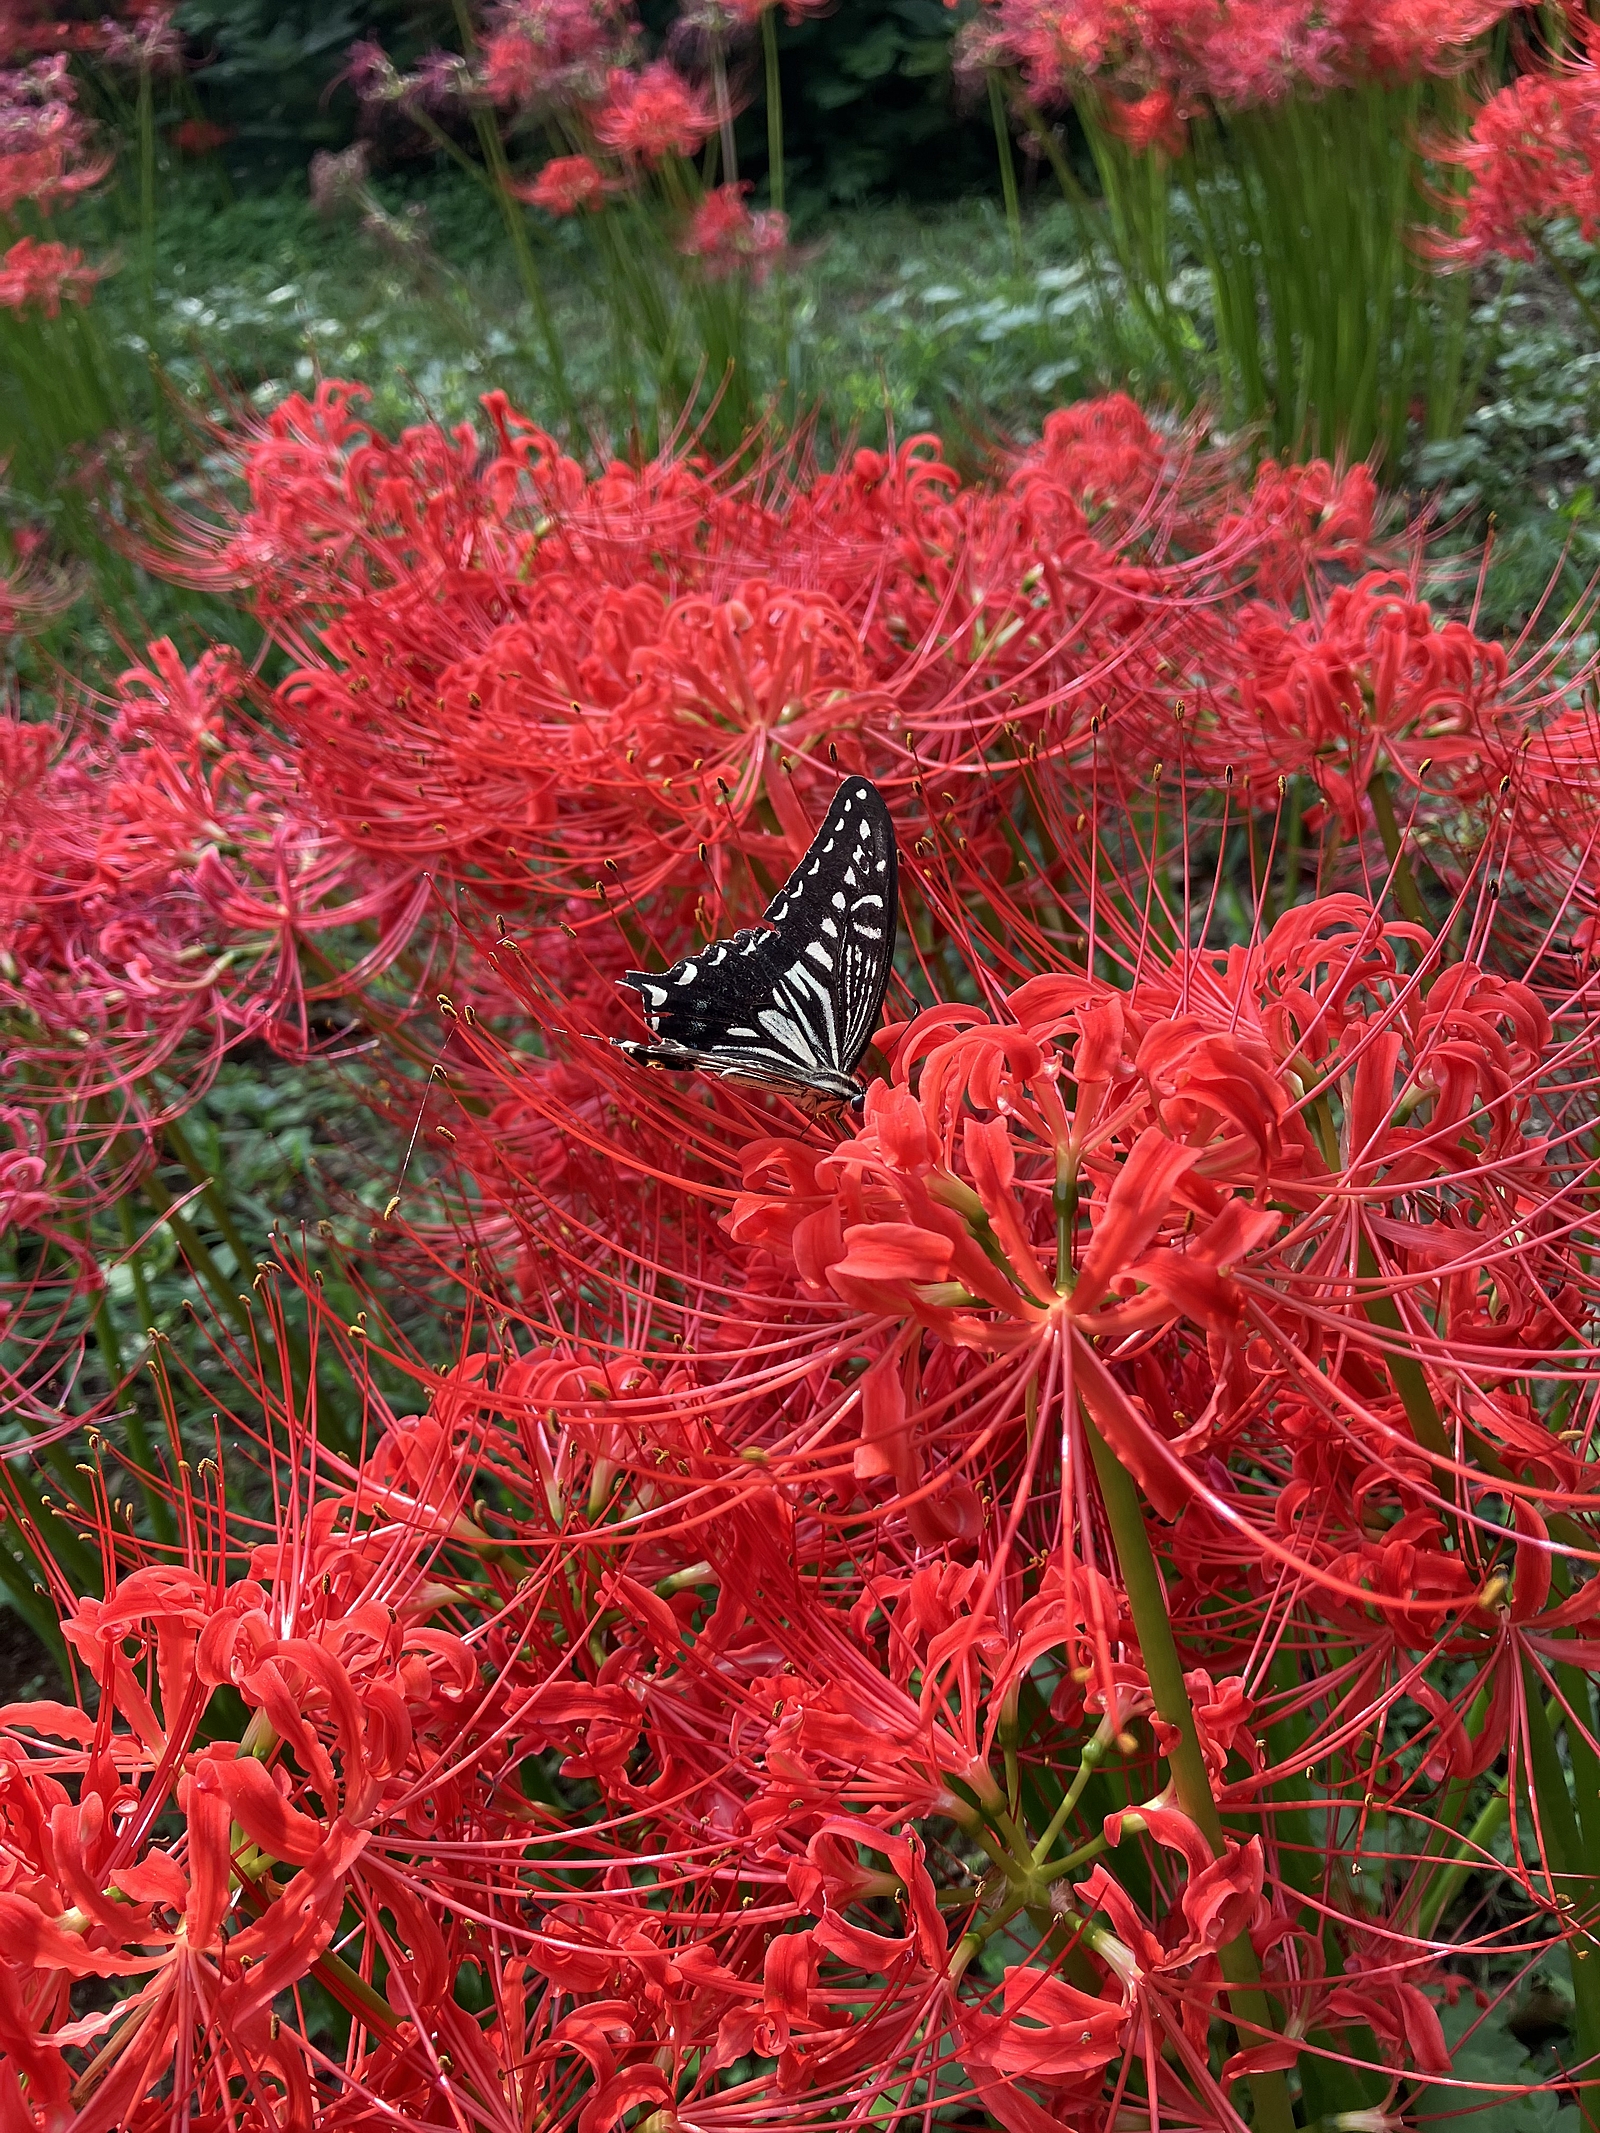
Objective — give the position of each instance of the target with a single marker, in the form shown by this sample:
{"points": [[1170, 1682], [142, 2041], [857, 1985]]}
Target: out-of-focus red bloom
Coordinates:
{"points": [[43, 276], [147, 40], [43, 175], [564, 186], [1235, 56], [545, 52], [749, 12], [725, 238], [44, 141], [200, 136], [653, 113], [1153, 121], [1532, 157]]}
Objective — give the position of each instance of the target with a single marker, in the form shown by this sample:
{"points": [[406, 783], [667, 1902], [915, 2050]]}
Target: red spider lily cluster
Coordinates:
{"points": [[1162, 59], [163, 896], [1001, 1606], [44, 276], [726, 238], [1532, 158], [44, 140], [622, 124], [47, 148]]}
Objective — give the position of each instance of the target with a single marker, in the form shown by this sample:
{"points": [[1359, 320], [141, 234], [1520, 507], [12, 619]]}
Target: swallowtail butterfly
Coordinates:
{"points": [[792, 1004]]}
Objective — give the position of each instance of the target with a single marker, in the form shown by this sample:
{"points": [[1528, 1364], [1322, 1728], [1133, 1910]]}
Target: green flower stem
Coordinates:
{"points": [[1094, 1754], [1405, 1372], [1468, 1857], [134, 1264], [769, 49], [494, 156], [1568, 281], [1562, 1848], [215, 1200], [1008, 167], [197, 1252], [1406, 893], [1148, 1605]]}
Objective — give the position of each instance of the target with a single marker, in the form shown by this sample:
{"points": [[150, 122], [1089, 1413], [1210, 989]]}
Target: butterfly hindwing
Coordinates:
{"points": [[793, 1003]]}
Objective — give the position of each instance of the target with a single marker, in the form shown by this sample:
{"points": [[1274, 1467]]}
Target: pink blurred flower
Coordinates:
{"points": [[200, 136], [1154, 121], [566, 184], [794, 11], [653, 113], [44, 274], [727, 239], [38, 108], [1533, 157], [554, 51], [43, 176], [149, 40], [1238, 55]]}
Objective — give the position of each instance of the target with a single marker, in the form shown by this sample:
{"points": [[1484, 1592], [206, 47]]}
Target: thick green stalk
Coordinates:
{"points": [[1405, 1372], [1147, 1603], [216, 1201], [1406, 893], [1565, 1872], [1565, 276], [494, 156], [135, 1265], [1327, 2085], [1467, 1859], [769, 48], [1008, 167]]}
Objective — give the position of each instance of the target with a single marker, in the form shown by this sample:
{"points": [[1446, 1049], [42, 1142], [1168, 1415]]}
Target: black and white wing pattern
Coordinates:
{"points": [[794, 1007]]}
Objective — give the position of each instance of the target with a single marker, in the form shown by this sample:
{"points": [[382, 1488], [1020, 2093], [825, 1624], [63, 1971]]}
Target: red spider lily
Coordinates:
{"points": [[725, 238], [44, 276], [44, 141], [148, 41], [652, 114], [199, 136], [1013, 1604], [1531, 159], [1147, 122], [1235, 56], [353, 1704], [560, 52], [564, 185]]}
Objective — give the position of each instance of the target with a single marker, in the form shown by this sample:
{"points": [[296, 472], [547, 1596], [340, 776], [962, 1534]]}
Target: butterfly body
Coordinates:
{"points": [[790, 1005]]}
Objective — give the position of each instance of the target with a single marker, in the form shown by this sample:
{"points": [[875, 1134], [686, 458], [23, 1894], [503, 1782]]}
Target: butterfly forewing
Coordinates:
{"points": [[793, 1003]]}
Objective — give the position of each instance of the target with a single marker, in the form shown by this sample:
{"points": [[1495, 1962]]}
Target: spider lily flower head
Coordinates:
{"points": [[211, 1873], [653, 113], [43, 276], [147, 41], [1532, 158], [725, 238], [538, 53], [1234, 57], [1374, 681], [565, 185]]}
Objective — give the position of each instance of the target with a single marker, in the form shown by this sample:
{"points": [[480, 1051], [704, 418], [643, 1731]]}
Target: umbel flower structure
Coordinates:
{"points": [[1063, 1599]]}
